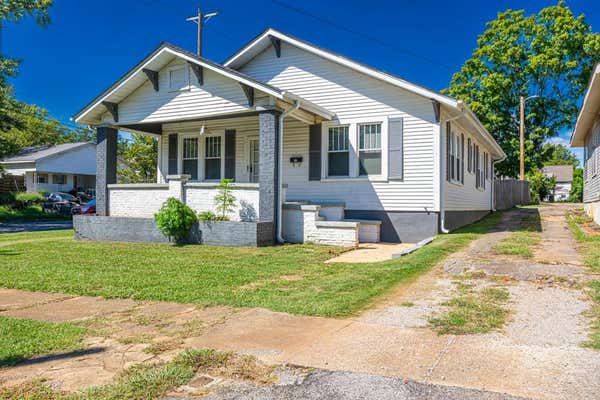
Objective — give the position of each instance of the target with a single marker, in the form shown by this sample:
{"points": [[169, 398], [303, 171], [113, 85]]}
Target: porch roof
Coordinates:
{"points": [[161, 57]]}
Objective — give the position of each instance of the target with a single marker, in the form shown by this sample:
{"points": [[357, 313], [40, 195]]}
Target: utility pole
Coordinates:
{"points": [[522, 139], [200, 19]]}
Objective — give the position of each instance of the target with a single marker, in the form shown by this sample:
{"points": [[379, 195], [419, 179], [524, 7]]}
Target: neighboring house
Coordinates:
{"points": [[587, 135], [58, 168], [335, 150], [563, 175]]}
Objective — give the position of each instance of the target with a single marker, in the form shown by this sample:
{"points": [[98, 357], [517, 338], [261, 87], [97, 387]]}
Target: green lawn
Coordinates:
{"points": [[290, 278], [31, 213], [23, 338], [590, 249]]}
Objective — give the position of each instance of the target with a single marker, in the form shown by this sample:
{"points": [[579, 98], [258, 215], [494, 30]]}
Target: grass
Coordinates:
{"points": [[473, 311], [521, 242], [209, 275], [31, 213], [153, 381], [22, 338], [589, 246]]}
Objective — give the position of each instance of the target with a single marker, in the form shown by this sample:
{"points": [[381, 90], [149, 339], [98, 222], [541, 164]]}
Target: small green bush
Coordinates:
{"points": [[224, 199], [24, 199], [207, 216], [175, 219]]}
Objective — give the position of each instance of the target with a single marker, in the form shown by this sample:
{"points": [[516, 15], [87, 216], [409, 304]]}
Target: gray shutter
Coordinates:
{"points": [[230, 154], [448, 138], [314, 150], [172, 154], [395, 145]]}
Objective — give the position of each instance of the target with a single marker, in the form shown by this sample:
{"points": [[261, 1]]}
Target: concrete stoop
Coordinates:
{"points": [[324, 223]]}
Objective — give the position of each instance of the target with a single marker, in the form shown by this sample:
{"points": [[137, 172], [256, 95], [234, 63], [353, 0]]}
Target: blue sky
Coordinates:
{"points": [[90, 44]]}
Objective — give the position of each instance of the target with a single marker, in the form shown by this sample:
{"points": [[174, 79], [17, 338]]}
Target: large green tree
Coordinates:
{"points": [[22, 124], [138, 156], [558, 154], [549, 54]]}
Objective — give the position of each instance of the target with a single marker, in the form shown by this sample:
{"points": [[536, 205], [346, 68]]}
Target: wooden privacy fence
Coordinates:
{"points": [[12, 183], [510, 192]]}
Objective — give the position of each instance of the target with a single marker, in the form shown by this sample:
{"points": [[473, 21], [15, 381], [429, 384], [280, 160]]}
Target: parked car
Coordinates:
{"points": [[60, 202], [87, 208]]}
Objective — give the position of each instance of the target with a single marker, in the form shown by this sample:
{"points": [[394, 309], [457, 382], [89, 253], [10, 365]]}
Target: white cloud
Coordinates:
{"points": [[565, 140]]}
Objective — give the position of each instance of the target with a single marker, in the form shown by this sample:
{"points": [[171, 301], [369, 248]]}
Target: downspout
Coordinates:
{"points": [[442, 175], [287, 112]]}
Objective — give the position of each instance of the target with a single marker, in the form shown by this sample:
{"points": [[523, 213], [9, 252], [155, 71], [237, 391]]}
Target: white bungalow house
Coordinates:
{"points": [[587, 135], [321, 148], [58, 168]]}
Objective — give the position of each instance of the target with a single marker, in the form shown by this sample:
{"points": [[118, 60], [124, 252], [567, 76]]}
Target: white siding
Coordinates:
{"points": [[465, 196], [354, 96], [81, 160], [218, 95], [591, 183]]}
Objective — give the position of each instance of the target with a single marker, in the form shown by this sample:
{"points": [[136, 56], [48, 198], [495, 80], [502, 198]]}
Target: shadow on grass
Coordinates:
{"points": [[13, 360]]}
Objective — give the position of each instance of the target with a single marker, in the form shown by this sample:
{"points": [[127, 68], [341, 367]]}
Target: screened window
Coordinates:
{"points": [[190, 157], [369, 149], [338, 152], [212, 159], [42, 178], [59, 179]]}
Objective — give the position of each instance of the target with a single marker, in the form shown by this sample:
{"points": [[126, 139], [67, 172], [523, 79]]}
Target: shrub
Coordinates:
{"points": [[207, 216], [24, 199], [175, 219], [224, 199], [540, 185]]}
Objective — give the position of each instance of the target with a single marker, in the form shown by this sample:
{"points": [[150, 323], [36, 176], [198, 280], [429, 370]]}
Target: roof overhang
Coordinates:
{"points": [[264, 40], [590, 110], [155, 61]]}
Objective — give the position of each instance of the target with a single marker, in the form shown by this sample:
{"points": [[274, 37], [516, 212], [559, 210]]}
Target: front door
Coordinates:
{"points": [[253, 159]]}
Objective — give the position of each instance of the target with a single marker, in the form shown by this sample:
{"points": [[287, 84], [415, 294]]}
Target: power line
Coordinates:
{"points": [[360, 34]]}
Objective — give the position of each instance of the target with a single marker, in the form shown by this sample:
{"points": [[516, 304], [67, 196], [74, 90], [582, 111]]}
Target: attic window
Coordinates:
{"points": [[179, 78]]}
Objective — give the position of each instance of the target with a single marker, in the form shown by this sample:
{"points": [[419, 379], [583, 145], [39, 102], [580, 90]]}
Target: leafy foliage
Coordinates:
{"points": [[209, 216], [558, 154], [540, 185], [140, 154], [224, 199], [21, 124], [576, 194], [24, 199], [175, 219], [549, 54]]}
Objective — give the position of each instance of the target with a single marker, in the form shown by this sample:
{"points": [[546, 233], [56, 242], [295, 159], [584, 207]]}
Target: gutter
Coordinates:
{"points": [[287, 112]]}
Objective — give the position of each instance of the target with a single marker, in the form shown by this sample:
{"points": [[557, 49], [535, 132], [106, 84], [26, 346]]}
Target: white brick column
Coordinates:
{"points": [[176, 183]]}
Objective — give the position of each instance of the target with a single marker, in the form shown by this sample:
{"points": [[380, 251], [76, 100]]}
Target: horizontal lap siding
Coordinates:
{"points": [[591, 187], [459, 197], [416, 192], [218, 95], [352, 95]]}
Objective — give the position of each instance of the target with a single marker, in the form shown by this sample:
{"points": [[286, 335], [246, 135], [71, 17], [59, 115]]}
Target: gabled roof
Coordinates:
{"points": [[262, 41], [33, 154], [590, 110], [158, 59], [265, 39], [562, 173]]}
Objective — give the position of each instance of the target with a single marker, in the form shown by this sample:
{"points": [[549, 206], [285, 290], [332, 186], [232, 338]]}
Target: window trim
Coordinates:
{"points": [[353, 156], [201, 153], [37, 178], [183, 139], [348, 150], [54, 176], [455, 158], [187, 86], [358, 149]]}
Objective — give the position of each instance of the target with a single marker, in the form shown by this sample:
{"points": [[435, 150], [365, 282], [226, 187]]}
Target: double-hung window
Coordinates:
{"points": [[338, 151], [212, 158], [369, 149], [456, 153], [190, 157], [469, 156], [42, 178]]}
